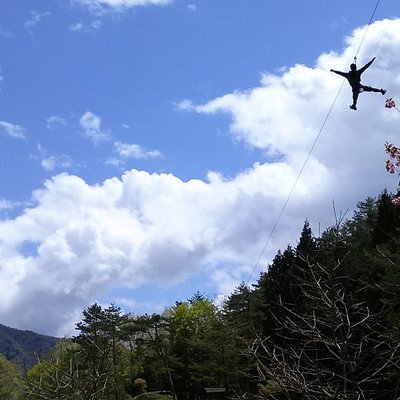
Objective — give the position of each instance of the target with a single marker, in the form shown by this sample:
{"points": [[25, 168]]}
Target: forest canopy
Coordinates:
{"points": [[321, 322]]}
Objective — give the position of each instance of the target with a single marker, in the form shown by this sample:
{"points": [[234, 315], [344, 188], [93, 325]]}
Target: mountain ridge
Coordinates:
{"points": [[22, 347]]}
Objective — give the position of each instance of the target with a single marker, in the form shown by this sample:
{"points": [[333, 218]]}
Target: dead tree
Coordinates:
{"points": [[329, 346]]}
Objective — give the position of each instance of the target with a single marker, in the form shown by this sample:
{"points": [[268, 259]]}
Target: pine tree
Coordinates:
{"points": [[96, 350]]}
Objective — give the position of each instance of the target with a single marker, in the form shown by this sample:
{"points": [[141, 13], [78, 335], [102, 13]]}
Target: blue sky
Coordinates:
{"points": [[147, 147]]}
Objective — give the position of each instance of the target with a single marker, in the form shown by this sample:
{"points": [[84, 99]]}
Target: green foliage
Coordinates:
{"points": [[140, 385], [23, 347], [388, 221], [192, 334], [11, 387], [269, 388]]}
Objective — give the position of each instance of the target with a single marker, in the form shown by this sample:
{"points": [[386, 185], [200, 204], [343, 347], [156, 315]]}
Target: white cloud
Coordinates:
{"points": [[91, 124], [115, 162], [78, 26], [192, 7], [36, 17], [141, 228], [53, 162], [126, 151], [156, 228], [119, 5], [15, 131], [8, 205], [54, 121], [90, 27], [285, 113]]}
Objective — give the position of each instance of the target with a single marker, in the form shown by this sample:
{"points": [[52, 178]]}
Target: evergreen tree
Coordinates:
{"points": [[275, 285], [359, 230], [306, 246], [154, 348], [96, 350], [242, 314], [11, 387], [387, 224], [101, 352], [242, 309], [333, 348]]}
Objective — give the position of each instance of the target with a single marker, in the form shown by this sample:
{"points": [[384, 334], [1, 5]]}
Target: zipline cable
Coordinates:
{"points": [[366, 30], [309, 154], [295, 182]]}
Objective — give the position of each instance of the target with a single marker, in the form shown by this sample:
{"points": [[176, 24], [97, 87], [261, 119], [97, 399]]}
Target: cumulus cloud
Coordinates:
{"points": [[91, 124], [155, 228], [13, 130], [129, 231], [284, 115]]}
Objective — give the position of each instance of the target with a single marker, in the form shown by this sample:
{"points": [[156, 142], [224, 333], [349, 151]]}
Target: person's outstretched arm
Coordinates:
{"points": [[339, 73], [361, 70]]}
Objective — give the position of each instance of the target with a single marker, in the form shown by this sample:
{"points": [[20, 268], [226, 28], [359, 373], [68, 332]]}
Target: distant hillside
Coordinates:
{"points": [[21, 347]]}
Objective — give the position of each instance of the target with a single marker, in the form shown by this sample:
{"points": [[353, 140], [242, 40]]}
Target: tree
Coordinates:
{"points": [[95, 351], [387, 222], [91, 367], [57, 376], [100, 340], [242, 309], [276, 284], [11, 387], [242, 316], [195, 330], [155, 337], [359, 230], [332, 349], [306, 246], [113, 323]]}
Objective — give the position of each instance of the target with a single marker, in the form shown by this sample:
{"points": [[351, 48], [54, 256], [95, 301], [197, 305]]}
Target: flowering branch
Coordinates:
{"points": [[393, 162], [391, 104]]}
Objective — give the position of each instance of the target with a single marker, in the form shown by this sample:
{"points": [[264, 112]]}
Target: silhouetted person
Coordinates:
{"points": [[354, 78]]}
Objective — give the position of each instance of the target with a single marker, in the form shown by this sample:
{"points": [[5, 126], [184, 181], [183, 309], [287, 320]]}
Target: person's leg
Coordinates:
{"points": [[355, 97], [372, 89]]}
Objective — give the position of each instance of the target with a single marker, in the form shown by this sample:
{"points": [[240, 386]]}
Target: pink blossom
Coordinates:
{"points": [[396, 201], [390, 103], [393, 151], [390, 167]]}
